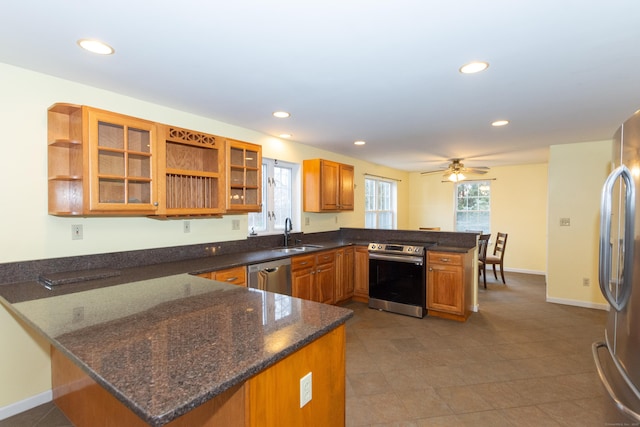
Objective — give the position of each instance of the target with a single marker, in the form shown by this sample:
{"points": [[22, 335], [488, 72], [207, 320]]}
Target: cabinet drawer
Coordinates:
{"points": [[302, 261], [236, 276], [325, 257], [444, 258]]}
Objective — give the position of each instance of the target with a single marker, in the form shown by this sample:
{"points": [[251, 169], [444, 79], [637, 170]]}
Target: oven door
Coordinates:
{"points": [[397, 283]]}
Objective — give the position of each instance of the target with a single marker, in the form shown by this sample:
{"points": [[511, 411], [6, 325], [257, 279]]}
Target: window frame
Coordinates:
{"points": [[482, 225], [392, 198]]}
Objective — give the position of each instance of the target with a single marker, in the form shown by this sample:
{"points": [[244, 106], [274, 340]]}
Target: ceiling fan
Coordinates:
{"points": [[456, 170]]}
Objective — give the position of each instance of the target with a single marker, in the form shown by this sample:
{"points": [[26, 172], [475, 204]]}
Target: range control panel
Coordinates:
{"points": [[396, 248]]}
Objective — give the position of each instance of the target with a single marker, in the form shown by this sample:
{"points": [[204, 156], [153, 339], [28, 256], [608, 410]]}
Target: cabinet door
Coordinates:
{"points": [[445, 289], [324, 283], [361, 278], [344, 275], [244, 176], [346, 187], [121, 169], [302, 283], [329, 191]]}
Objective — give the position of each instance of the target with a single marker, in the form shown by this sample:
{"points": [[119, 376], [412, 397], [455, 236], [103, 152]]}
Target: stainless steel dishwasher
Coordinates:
{"points": [[272, 276]]}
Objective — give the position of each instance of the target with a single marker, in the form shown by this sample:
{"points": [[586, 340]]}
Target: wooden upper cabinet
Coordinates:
{"points": [[100, 163], [104, 163], [192, 173], [244, 177], [327, 186]]}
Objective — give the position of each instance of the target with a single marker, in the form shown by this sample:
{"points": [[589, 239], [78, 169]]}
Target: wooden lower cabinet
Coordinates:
{"points": [[344, 274], [271, 398], [361, 274], [449, 284], [313, 276], [234, 276]]}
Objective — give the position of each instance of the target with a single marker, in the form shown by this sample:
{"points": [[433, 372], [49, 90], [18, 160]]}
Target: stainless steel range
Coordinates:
{"points": [[397, 278]]}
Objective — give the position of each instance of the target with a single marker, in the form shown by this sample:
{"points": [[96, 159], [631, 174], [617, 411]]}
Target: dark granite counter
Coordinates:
{"points": [[165, 345]]}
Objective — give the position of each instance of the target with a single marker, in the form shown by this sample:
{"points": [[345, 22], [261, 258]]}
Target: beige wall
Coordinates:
{"points": [[576, 175], [518, 207]]}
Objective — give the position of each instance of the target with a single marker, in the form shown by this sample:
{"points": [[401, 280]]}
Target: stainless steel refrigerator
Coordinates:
{"points": [[617, 357]]}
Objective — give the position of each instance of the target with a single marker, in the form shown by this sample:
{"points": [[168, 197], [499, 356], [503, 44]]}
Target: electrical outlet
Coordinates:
{"points": [[76, 232], [565, 222], [336, 219], [186, 226], [306, 220], [586, 281], [305, 389], [235, 224]]}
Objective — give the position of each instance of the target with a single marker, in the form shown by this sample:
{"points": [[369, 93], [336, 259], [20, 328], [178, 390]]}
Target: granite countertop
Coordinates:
{"points": [[83, 280], [165, 345]]}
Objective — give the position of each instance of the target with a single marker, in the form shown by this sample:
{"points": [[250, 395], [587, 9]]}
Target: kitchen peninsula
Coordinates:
{"points": [[156, 346], [186, 351]]}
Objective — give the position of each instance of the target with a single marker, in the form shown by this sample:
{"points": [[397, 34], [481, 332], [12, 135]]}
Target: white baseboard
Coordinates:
{"points": [[578, 303], [520, 270], [26, 404]]}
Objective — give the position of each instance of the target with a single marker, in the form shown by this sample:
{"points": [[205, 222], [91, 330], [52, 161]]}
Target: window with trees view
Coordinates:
{"points": [[473, 206], [277, 197], [380, 203]]}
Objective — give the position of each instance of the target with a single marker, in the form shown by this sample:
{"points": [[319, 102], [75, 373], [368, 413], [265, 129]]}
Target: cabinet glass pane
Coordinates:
{"points": [[251, 159], [251, 196], [237, 157], [139, 192], [110, 163], [110, 135], [252, 177], [237, 196], [111, 190], [237, 176], [138, 140], [139, 166]]}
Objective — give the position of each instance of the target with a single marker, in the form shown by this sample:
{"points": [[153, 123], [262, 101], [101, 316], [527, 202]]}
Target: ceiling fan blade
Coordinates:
{"points": [[432, 172], [477, 170]]}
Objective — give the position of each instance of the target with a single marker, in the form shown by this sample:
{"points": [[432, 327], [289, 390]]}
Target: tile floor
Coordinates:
{"points": [[518, 362]]}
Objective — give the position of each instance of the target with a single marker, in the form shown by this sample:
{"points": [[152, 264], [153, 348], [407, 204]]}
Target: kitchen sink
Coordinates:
{"points": [[295, 249]]}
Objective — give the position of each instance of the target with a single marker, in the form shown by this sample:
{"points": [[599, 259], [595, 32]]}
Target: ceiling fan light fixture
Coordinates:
{"points": [[96, 46], [474, 67], [456, 177]]}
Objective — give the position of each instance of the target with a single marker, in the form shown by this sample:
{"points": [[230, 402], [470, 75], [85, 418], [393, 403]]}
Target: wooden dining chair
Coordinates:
{"points": [[498, 255], [483, 243]]}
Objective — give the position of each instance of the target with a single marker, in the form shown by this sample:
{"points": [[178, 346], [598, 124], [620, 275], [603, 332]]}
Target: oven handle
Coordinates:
{"points": [[399, 258]]}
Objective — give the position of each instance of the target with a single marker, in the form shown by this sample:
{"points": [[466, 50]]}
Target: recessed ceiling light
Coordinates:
{"points": [[499, 123], [359, 142], [474, 67], [96, 46], [281, 114], [285, 135]]}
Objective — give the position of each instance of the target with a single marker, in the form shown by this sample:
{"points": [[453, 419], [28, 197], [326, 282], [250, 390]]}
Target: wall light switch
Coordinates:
{"points": [[565, 222], [235, 224], [186, 226]]}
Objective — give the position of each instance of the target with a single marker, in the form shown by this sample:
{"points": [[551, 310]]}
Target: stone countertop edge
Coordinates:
{"points": [[157, 420], [453, 249]]}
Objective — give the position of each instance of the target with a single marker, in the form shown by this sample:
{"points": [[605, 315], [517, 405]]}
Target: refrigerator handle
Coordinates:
{"points": [[605, 382], [604, 276]]}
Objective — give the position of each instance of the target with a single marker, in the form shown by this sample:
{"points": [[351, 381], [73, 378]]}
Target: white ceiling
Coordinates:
{"points": [[385, 71]]}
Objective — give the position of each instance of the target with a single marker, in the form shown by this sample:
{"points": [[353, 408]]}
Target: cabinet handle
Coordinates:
{"points": [[430, 268], [155, 203], [304, 263], [231, 279], [445, 259]]}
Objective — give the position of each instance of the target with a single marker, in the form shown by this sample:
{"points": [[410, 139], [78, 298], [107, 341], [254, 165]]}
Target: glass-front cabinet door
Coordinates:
{"points": [[121, 165], [244, 167]]}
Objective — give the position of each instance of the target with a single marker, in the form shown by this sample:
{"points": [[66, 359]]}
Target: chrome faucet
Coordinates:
{"points": [[287, 230]]}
